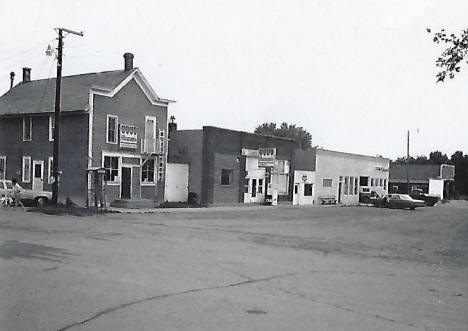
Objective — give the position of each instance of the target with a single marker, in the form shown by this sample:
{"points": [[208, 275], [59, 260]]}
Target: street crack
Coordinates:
{"points": [[167, 295]]}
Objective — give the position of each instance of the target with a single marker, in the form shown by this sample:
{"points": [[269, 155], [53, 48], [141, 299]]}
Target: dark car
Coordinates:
{"points": [[402, 201], [429, 199]]}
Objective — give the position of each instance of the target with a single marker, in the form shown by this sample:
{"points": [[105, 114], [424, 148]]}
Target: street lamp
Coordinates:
{"points": [[58, 86]]}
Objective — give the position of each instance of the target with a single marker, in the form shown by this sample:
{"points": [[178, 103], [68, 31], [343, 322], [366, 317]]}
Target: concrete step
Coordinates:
{"points": [[134, 203]]}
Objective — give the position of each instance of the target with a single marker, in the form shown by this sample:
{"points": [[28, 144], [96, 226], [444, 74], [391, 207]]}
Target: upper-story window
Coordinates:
{"points": [[112, 125], [27, 128], [150, 127], [149, 142], [51, 127]]}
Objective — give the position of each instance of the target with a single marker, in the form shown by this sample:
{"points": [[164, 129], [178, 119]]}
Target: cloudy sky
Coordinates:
{"points": [[356, 74]]}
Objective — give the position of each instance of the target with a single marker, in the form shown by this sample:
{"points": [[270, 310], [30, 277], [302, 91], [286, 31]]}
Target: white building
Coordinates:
{"points": [[338, 177]]}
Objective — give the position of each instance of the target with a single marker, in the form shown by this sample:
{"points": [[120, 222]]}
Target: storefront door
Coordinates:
{"points": [[126, 183]]}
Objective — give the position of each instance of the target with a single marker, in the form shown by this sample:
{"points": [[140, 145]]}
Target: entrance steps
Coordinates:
{"points": [[134, 203]]}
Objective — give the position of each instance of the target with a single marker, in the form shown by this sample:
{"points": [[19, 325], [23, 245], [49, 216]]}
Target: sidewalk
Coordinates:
{"points": [[240, 206]]}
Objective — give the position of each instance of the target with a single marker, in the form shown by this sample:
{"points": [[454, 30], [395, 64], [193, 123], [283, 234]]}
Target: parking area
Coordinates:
{"points": [[260, 268]]}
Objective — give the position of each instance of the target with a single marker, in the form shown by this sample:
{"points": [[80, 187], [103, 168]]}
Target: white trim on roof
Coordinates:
{"points": [[142, 83]]}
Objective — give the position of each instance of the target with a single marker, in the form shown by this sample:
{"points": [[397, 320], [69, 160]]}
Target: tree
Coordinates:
{"points": [[437, 157], [286, 130], [460, 162], [421, 159], [453, 56]]}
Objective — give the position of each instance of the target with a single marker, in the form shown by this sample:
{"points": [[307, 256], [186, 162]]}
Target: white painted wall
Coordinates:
{"points": [[436, 187], [301, 178], [330, 164], [176, 182]]}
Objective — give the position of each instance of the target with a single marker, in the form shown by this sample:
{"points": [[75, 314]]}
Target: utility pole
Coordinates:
{"points": [[58, 87], [407, 166]]}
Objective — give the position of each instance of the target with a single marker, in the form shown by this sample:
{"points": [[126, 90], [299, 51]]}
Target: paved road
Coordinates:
{"points": [[276, 268]]}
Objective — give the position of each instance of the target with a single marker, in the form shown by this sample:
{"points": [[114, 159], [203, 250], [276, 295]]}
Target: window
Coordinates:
{"points": [[351, 185], [385, 183], [27, 128], [363, 181], [372, 182], [162, 136], [308, 190], [26, 175], [147, 172], [346, 185], [327, 182], [50, 178], [355, 185], [111, 165], [246, 185], [161, 169], [2, 167], [260, 185], [112, 125], [226, 176], [51, 127]]}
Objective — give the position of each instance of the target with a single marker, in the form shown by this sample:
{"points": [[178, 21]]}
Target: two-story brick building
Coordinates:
{"points": [[109, 119]]}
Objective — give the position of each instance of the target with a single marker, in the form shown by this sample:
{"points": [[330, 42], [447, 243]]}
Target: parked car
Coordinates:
{"points": [[35, 197], [429, 199], [398, 201]]}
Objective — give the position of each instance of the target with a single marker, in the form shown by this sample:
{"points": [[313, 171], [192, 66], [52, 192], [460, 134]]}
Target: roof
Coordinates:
{"points": [[38, 96], [369, 157], [416, 171]]}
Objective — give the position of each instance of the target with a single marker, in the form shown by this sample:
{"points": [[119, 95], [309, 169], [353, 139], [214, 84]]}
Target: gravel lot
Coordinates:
{"points": [[237, 268]]}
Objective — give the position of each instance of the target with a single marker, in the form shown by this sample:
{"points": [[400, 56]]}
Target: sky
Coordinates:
{"points": [[356, 74]]}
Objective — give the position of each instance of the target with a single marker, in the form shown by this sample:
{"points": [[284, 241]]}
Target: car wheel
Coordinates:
{"points": [[41, 201]]}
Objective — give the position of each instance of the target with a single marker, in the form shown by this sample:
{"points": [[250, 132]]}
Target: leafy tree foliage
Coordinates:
{"points": [[455, 54], [286, 130], [438, 158]]}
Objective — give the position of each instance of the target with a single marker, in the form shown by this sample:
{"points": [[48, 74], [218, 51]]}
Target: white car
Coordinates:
{"points": [[28, 196]]}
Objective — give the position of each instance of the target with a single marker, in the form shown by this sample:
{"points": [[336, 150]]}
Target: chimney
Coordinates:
{"points": [[26, 75], [12, 79], [172, 126], [128, 61]]}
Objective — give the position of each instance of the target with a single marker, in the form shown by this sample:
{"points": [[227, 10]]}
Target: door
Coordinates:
{"points": [[177, 181], [254, 188], [38, 175], [339, 192], [126, 183]]}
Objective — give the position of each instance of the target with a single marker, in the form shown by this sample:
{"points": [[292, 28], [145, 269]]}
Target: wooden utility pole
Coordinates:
{"points": [[407, 166], [58, 87]]}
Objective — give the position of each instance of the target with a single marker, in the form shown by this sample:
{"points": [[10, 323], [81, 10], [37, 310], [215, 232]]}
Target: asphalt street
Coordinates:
{"points": [[239, 268]]}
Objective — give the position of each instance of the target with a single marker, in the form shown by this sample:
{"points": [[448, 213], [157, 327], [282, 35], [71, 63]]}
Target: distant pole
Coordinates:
{"points": [[58, 87], [407, 165]]}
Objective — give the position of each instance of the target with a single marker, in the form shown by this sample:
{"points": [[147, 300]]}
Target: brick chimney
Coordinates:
{"points": [[12, 79], [128, 62], [26, 75], [172, 126]]}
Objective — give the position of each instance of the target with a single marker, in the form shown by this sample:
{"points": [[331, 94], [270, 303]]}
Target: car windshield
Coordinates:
{"points": [[8, 185]]}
